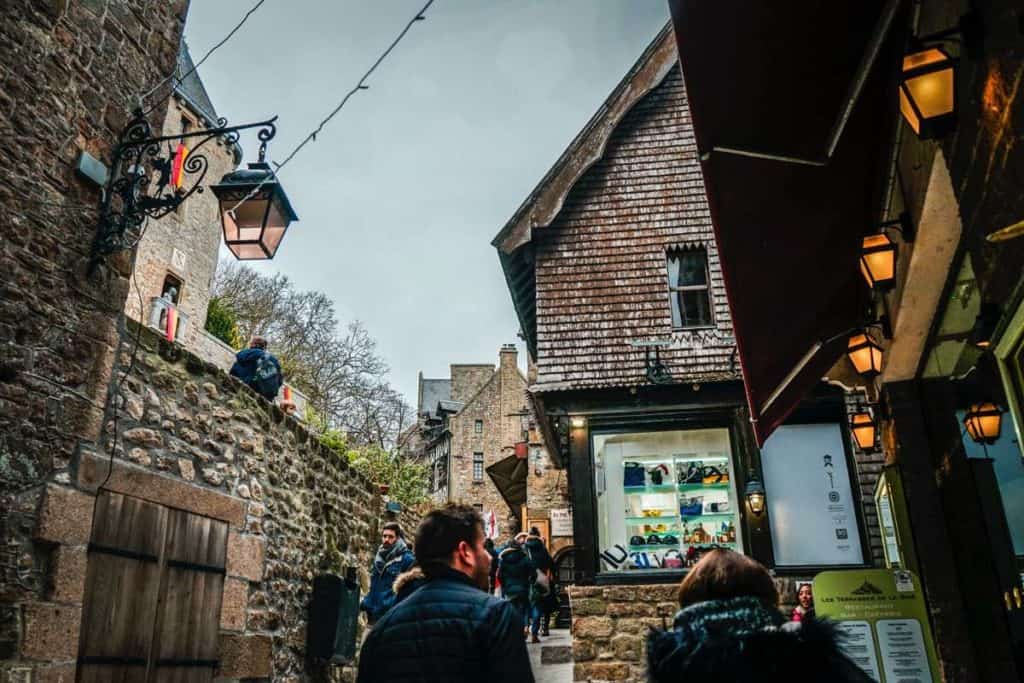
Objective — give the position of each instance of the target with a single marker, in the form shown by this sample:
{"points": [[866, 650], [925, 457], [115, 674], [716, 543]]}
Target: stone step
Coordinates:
{"points": [[555, 654]]}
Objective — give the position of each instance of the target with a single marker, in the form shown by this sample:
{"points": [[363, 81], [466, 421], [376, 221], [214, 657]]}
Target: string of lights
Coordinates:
{"points": [[359, 86], [141, 98]]}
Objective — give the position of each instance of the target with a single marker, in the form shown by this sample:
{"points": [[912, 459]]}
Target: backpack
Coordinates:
{"points": [[267, 378]]}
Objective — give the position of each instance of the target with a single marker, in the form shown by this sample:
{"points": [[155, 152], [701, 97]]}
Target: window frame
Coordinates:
{"points": [[478, 426], [478, 479], [673, 291]]}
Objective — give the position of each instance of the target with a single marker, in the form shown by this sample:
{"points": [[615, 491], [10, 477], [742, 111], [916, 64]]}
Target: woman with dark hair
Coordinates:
{"points": [[730, 630]]}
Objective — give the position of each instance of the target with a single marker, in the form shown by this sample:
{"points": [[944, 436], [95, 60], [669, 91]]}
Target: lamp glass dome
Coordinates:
{"points": [[862, 426], [928, 91], [984, 422], [755, 495], [865, 354], [255, 212], [878, 260]]}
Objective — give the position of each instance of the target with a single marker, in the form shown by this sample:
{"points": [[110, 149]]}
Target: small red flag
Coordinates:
{"points": [[172, 323], [178, 166]]}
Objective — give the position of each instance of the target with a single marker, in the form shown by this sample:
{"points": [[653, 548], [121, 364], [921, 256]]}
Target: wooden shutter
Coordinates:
{"points": [[153, 594]]}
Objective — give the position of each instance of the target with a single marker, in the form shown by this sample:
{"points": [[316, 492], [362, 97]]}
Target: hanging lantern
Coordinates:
{"points": [[865, 354], [754, 494], [983, 422], [928, 92], [878, 261], [255, 212], [863, 428]]}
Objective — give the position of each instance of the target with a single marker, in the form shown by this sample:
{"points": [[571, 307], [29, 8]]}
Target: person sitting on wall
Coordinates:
{"points": [[256, 367], [393, 558]]}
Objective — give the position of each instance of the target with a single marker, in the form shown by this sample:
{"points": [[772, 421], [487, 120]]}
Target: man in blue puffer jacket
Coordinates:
{"points": [[393, 558], [449, 630]]}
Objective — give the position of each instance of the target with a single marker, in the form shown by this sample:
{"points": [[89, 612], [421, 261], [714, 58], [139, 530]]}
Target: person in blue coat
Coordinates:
{"points": [[393, 558], [258, 368]]}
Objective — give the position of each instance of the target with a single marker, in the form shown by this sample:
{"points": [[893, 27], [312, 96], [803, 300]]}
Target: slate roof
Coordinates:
{"points": [[585, 256], [191, 88], [432, 392]]}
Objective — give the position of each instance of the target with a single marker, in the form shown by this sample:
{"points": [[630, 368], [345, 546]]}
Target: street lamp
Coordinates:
{"points": [[878, 253], [983, 422], [865, 354], [863, 428], [754, 494], [928, 91], [254, 209]]}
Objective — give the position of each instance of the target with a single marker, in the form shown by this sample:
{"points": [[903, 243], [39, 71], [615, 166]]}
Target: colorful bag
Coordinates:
{"points": [[691, 507], [633, 475], [615, 559], [692, 474], [713, 475], [637, 540], [673, 560], [658, 474]]}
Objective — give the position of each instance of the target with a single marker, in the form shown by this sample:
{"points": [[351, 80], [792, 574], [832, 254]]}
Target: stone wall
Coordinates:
{"points": [[69, 73], [189, 436], [610, 626]]}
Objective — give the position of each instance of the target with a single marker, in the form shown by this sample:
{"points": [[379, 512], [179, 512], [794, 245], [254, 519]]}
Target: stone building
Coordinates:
{"points": [[471, 425], [131, 473], [179, 253]]}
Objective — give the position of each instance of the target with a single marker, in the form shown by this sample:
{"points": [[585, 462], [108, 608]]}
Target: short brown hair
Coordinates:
{"points": [[724, 574], [441, 531], [393, 526]]}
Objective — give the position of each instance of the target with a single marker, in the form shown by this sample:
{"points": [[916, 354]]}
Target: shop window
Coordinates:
{"points": [[478, 427], [478, 467], [688, 288], [664, 497], [812, 511]]}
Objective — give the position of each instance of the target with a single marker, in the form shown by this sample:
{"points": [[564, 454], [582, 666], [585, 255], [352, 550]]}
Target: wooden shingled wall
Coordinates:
{"points": [[601, 272], [153, 594]]}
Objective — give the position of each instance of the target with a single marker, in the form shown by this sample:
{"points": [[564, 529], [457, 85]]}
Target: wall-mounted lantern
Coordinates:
{"points": [[754, 494], [983, 422], [578, 422], [148, 180], [864, 430], [928, 92], [878, 253], [865, 354], [985, 325]]}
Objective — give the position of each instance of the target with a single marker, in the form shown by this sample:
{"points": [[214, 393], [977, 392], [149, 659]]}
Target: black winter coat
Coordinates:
{"points": [[539, 554], [516, 571], [739, 640], [447, 631]]}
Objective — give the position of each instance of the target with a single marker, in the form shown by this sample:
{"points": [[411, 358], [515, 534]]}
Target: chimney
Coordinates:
{"points": [[509, 357]]}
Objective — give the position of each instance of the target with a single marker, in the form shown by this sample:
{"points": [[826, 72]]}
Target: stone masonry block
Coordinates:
{"points": [[66, 516], [631, 609], [592, 627], [57, 673], [628, 647], [602, 671], [232, 609], [245, 556], [590, 606], [51, 631], [164, 490], [68, 574], [245, 656]]}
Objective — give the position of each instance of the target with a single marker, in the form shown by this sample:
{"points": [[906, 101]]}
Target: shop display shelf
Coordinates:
{"points": [[710, 515], [661, 488], [658, 546], [702, 487], [664, 519], [710, 546]]}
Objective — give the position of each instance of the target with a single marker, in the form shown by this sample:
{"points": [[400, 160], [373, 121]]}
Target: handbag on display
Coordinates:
{"points": [[693, 474], [658, 474], [633, 474], [673, 560], [716, 507], [615, 556], [645, 560], [669, 539], [654, 539], [637, 540], [714, 475], [691, 507]]}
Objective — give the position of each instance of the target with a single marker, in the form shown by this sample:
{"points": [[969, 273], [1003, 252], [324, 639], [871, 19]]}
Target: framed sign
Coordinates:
{"points": [[812, 511], [561, 522]]}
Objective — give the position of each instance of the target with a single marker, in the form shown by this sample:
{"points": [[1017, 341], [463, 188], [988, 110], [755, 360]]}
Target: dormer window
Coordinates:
{"points": [[688, 288]]}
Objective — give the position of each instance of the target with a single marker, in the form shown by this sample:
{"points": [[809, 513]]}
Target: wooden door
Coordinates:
{"points": [[153, 594]]}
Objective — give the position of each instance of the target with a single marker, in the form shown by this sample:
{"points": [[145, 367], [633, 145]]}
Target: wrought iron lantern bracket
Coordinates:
{"points": [[141, 182]]}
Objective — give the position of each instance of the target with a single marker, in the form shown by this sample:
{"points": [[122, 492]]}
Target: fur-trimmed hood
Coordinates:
{"points": [[742, 640], [405, 578]]}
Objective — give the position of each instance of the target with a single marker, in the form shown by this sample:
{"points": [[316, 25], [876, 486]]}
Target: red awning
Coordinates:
{"points": [[792, 182]]}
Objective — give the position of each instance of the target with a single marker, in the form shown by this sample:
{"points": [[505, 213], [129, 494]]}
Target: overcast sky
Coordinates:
{"points": [[401, 195]]}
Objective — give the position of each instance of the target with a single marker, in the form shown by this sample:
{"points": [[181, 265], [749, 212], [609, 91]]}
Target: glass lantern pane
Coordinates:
{"points": [[908, 112], [923, 58], [246, 252], [932, 92]]}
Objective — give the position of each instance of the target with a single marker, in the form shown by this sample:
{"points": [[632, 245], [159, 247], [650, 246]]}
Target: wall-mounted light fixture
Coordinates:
{"points": [[865, 354], [578, 422], [985, 325], [864, 430], [984, 422], [878, 253], [754, 494], [148, 181]]}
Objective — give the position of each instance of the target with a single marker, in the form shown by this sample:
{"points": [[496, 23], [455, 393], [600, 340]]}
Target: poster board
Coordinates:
{"points": [[561, 522], [811, 507], [884, 616]]}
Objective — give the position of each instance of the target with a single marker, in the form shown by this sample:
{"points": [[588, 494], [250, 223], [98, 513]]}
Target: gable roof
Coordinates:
{"points": [[432, 392], [542, 206], [191, 88]]}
